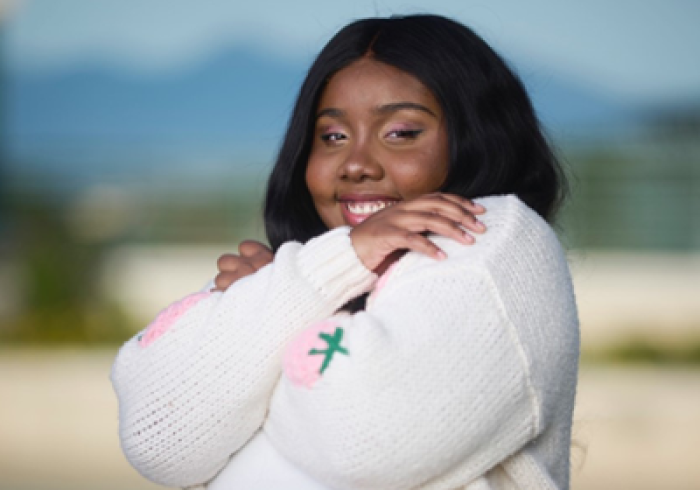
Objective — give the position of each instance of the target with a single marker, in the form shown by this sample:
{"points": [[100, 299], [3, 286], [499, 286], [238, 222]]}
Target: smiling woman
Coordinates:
{"points": [[388, 339]]}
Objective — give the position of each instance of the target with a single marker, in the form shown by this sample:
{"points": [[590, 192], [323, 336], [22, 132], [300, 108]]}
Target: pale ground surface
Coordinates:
{"points": [[58, 426]]}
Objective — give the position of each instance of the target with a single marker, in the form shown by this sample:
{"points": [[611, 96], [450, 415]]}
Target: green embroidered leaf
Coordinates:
{"points": [[334, 346]]}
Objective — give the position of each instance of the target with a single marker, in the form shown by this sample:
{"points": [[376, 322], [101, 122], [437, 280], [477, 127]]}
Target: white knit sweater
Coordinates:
{"points": [[459, 374]]}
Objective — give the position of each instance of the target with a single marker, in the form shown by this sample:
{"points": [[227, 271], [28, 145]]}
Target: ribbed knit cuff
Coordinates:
{"points": [[330, 263]]}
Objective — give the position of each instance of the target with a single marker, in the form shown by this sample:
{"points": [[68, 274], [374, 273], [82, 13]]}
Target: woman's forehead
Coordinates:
{"points": [[372, 84]]}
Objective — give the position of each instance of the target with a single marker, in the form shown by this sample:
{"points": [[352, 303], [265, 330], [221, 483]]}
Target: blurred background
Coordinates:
{"points": [[135, 140]]}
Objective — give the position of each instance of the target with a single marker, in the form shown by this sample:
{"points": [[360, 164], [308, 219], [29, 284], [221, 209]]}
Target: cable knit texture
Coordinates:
{"points": [[460, 374]]}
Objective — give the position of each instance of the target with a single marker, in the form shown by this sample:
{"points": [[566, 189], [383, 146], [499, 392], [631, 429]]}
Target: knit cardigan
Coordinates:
{"points": [[459, 373]]}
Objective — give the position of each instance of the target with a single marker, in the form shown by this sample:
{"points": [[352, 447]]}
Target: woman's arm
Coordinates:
{"points": [[428, 377], [435, 380], [196, 384]]}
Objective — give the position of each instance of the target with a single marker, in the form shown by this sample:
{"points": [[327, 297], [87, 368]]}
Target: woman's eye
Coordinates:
{"points": [[332, 137], [404, 134]]}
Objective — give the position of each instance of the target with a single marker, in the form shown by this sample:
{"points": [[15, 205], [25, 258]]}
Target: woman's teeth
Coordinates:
{"points": [[367, 207]]}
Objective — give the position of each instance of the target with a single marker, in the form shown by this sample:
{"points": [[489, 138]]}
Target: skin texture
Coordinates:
{"points": [[380, 141]]}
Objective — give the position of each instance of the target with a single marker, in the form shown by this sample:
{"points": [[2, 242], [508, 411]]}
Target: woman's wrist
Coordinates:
{"points": [[331, 263]]}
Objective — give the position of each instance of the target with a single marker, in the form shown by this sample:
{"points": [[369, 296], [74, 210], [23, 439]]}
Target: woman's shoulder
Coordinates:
{"points": [[511, 224], [516, 237], [520, 266], [519, 257], [520, 251]]}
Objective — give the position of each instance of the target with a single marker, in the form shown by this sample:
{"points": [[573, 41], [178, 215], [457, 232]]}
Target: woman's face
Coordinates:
{"points": [[380, 138]]}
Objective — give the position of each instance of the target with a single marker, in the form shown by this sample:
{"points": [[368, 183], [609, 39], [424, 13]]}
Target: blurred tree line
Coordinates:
{"points": [[55, 246], [640, 193], [60, 300]]}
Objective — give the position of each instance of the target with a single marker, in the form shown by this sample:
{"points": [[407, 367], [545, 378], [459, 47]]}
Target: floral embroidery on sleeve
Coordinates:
{"points": [[310, 354], [168, 317]]}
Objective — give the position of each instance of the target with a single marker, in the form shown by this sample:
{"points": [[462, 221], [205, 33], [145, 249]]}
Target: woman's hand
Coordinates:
{"points": [[253, 256], [403, 227]]}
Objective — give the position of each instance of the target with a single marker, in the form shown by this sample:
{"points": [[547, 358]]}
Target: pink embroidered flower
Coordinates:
{"points": [[168, 317], [302, 367]]}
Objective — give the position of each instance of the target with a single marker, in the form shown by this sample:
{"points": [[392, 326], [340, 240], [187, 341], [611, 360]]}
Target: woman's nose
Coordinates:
{"points": [[361, 164]]}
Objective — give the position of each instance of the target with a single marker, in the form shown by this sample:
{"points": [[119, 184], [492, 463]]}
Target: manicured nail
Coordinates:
{"points": [[441, 255], [480, 225]]}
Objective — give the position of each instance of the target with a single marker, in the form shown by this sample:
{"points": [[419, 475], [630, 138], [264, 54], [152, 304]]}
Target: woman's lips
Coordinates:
{"points": [[357, 209]]}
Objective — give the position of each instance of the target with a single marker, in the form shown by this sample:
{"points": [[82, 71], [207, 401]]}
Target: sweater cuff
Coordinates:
{"points": [[330, 263]]}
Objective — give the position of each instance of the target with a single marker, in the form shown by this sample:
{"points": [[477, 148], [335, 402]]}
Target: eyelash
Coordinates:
{"points": [[406, 133], [399, 133]]}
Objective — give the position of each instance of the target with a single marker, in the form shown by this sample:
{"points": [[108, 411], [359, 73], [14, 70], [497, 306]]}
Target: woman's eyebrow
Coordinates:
{"points": [[330, 112], [399, 106], [382, 109]]}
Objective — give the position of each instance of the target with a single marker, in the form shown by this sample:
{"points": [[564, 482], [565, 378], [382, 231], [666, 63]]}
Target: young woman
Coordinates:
{"points": [[389, 339]]}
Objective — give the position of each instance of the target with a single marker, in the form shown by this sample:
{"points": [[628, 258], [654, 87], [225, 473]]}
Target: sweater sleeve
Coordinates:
{"points": [[410, 388], [430, 386], [195, 385]]}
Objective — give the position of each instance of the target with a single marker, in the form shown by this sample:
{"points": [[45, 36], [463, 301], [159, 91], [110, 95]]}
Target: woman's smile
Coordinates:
{"points": [[380, 138], [356, 209]]}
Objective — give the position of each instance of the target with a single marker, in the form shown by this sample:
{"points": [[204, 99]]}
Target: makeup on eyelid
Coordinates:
{"points": [[409, 131]]}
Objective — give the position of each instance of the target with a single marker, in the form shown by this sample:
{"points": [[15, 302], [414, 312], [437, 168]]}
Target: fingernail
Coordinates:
{"points": [[480, 225], [441, 255]]}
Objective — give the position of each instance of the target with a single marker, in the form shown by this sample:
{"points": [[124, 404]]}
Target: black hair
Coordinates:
{"points": [[495, 142]]}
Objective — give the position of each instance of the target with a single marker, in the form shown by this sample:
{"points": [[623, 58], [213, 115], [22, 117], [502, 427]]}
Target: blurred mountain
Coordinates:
{"points": [[233, 106], [237, 96]]}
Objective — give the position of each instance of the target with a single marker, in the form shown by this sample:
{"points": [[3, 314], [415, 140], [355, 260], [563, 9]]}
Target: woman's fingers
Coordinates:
{"points": [[456, 208], [254, 255], [421, 222], [416, 224], [250, 248], [257, 253], [421, 244], [404, 226], [228, 262], [373, 246], [468, 204], [473, 209], [251, 253], [223, 280]]}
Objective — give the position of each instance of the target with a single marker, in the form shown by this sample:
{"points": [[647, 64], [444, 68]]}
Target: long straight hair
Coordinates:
{"points": [[495, 143]]}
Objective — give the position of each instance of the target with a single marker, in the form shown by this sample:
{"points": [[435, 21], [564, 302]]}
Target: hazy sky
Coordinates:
{"points": [[632, 49]]}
